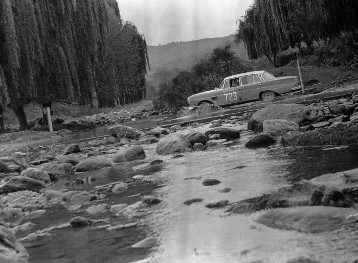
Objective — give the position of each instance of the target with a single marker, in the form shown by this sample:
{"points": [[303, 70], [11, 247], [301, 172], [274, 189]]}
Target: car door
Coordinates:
{"points": [[233, 93], [250, 87]]}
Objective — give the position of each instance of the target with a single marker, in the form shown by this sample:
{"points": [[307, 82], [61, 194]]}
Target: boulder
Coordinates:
{"points": [[158, 131], [119, 188], [12, 251], [261, 140], [36, 174], [196, 137], [216, 123], [26, 200], [215, 143], [210, 182], [194, 200], [68, 159], [224, 132], [129, 154], [94, 163], [73, 148], [80, 222], [62, 169], [21, 183], [198, 147], [291, 112], [217, 204], [97, 209], [174, 143], [277, 127], [309, 219], [122, 131]]}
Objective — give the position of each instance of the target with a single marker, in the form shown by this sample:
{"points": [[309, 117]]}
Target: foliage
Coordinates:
{"points": [[270, 27], [205, 75]]}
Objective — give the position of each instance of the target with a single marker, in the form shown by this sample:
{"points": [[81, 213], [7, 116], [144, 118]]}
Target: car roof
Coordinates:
{"points": [[245, 74]]}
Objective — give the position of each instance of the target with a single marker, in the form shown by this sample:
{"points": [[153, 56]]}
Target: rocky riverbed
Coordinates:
{"points": [[203, 193]]}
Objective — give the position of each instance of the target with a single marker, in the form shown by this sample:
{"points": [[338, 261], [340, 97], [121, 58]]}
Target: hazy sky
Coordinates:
{"points": [[164, 21]]}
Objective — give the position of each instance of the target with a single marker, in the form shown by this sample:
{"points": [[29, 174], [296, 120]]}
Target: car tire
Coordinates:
{"points": [[268, 96]]}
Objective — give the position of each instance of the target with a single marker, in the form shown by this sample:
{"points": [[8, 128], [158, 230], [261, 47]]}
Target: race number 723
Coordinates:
{"points": [[230, 96]]}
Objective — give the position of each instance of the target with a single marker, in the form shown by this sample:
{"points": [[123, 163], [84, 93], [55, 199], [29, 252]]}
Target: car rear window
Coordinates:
{"points": [[267, 76]]}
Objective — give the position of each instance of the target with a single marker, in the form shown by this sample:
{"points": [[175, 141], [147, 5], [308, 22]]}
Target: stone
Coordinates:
{"points": [[53, 196], [215, 137], [110, 140], [225, 190], [260, 141], [316, 197], [210, 182], [39, 161], [215, 143], [97, 209], [196, 137], [93, 163], [151, 200], [194, 200], [80, 222], [68, 159], [147, 140], [337, 109], [12, 216], [309, 219], [321, 124], [117, 208], [241, 208], [129, 154], [216, 123], [76, 197], [73, 148], [119, 188], [156, 162], [198, 147], [217, 204], [12, 251], [122, 131], [158, 131], [26, 200], [62, 169], [173, 143], [291, 112], [335, 197], [36, 174], [277, 127], [21, 183], [224, 132]]}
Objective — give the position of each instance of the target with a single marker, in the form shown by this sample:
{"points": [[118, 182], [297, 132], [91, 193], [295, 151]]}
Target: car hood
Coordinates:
{"points": [[199, 95]]}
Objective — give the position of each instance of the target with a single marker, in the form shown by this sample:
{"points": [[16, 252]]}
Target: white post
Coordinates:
{"points": [[49, 121], [300, 74]]}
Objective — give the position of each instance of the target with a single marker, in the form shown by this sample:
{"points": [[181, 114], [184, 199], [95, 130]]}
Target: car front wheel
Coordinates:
{"points": [[268, 96]]}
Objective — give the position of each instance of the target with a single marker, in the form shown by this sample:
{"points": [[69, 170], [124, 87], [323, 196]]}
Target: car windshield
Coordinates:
{"points": [[267, 76]]}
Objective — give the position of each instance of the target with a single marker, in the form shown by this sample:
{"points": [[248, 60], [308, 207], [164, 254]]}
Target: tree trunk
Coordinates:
{"points": [[2, 126], [20, 114]]}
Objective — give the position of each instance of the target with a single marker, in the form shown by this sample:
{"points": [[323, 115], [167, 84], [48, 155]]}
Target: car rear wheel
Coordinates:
{"points": [[268, 96]]}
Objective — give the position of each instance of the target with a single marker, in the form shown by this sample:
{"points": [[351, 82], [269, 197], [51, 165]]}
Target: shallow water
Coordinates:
{"points": [[195, 233]]}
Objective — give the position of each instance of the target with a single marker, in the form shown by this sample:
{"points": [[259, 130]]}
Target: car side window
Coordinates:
{"points": [[234, 83], [250, 79], [244, 80], [257, 79]]}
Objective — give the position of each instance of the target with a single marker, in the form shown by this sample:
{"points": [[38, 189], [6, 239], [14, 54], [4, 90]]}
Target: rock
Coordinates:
{"points": [[76, 197], [36, 174], [225, 190], [124, 141], [216, 123], [21, 183], [215, 137], [147, 140], [335, 197], [146, 243], [23, 228], [225, 133], [73, 148], [337, 109], [119, 188], [291, 112], [310, 219], [4, 168], [20, 154], [174, 143], [321, 124], [53, 196], [316, 197], [26, 200], [117, 208], [196, 137], [241, 208], [198, 147], [12, 251], [261, 140], [278, 127], [210, 182], [215, 143], [122, 131], [156, 162], [62, 169], [11, 216], [129, 154], [194, 200], [217, 204], [158, 131], [97, 209], [69, 159], [39, 161], [80, 222], [151, 200], [110, 140], [94, 163]]}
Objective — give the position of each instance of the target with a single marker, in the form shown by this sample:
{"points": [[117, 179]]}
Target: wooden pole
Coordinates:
{"points": [[300, 74], [49, 121]]}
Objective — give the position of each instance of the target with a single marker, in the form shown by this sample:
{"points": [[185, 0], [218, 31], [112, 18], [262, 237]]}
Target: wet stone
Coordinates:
{"points": [[73, 148], [194, 200], [225, 190], [210, 182], [218, 204], [156, 162], [151, 200], [79, 222]]}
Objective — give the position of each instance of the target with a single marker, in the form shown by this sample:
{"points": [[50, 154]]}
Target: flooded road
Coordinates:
{"points": [[192, 233]]}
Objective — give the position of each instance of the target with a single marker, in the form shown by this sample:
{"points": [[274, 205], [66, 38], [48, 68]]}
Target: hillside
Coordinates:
{"points": [[184, 54]]}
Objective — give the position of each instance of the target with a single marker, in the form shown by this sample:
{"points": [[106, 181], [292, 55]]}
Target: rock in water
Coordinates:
{"points": [[278, 127], [73, 148], [174, 143], [80, 222], [21, 183], [94, 163], [11, 250], [210, 182], [36, 174], [290, 112], [261, 140], [196, 137], [225, 133], [130, 154], [122, 131], [158, 131]]}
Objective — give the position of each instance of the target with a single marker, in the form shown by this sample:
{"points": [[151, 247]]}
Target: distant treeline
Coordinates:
{"points": [[205, 75], [69, 51], [272, 26]]}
